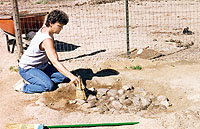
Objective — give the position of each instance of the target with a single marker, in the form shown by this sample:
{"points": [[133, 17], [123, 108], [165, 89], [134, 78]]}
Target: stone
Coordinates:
{"points": [[162, 107], [94, 109], [112, 92], [136, 100], [127, 102], [121, 91], [102, 91], [85, 106], [123, 98], [141, 91], [125, 109], [128, 87], [161, 98], [111, 98], [91, 98], [129, 94], [72, 101], [150, 96], [145, 102], [165, 103], [112, 110], [103, 109], [80, 101], [92, 104], [132, 109], [116, 104]]}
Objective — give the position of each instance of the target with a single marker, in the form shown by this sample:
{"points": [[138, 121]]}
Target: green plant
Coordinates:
{"points": [[14, 68], [137, 67], [172, 65], [42, 2]]}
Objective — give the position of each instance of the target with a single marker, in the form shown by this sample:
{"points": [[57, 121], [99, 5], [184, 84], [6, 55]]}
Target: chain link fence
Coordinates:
{"points": [[97, 29]]}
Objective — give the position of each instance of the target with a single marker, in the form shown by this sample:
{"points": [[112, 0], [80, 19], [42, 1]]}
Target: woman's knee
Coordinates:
{"points": [[50, 86]]}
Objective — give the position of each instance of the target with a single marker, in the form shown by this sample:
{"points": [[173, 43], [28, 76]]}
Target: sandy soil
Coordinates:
{"points": [[174, 75], [178, 81]]}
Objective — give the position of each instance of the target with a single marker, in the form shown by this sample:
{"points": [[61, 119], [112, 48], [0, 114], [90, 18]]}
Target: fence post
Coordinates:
{"points": [[17, 26], [127, 28]]}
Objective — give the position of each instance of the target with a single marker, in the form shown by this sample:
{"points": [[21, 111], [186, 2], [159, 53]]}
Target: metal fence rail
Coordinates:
{"points": [[106, 28]]}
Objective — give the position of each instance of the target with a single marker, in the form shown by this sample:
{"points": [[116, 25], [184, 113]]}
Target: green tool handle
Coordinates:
{"points": [[92, 125]]}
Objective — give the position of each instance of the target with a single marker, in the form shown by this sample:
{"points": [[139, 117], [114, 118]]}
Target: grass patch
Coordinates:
{"points": [[42, 2], [137, 67], [14, 68]]}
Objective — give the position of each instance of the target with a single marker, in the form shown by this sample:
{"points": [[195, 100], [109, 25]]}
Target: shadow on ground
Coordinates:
{"points": [[88, 74], [64, 47], [84, 55]]}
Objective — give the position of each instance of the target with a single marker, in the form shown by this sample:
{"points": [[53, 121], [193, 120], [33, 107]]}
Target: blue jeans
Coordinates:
{"points": [[42, 80]]}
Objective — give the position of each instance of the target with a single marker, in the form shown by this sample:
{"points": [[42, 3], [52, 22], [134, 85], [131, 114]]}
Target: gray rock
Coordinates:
{"points": [[102, 91], [72, 101], [112, 110], [125, 109], [103, 109], [136, 100], [127, 102], [145, 102], [141, 91], [121, 91], [103, 98], [112, 92], [116, 104], [111, 98], [94, 109], [162, 107], [150, 96], [123, 98], [92, 104], [80, 101], [165, 103], [85, 106], [132, 109], [127, 87], [162, 98], [92, 98], [129, 93]]}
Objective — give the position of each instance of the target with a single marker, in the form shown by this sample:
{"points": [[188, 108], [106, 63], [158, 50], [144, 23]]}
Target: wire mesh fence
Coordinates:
{"points": [[97, 28]]}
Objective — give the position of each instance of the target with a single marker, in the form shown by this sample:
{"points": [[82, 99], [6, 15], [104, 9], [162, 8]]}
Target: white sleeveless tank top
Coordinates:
{"points": [[33, 57]]}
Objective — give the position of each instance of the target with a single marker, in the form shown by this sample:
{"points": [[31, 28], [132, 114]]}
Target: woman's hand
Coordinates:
{"points": [[75, 80]]}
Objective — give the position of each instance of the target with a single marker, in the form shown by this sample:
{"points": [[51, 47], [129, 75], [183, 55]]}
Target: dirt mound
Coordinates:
{"points": [[106, 100], [59, 99], [146, 54]]}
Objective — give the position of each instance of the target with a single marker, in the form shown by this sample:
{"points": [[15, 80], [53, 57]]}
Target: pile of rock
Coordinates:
{"points": [[126, 100]]}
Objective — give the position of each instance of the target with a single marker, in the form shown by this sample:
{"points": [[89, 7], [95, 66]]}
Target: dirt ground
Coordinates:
{"points": [[178, 81], [166, 70]]}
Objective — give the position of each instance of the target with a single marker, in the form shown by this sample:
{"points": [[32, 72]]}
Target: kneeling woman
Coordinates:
{"points": [[39, 65]]}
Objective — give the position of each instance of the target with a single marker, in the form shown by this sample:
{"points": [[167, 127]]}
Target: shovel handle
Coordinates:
{"points": [[92, 125]]}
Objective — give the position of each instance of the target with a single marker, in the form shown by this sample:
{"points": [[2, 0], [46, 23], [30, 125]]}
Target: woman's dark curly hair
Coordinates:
{"points": [[57, 16]]}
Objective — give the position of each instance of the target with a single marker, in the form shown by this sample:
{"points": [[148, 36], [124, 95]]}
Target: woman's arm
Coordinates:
{"points": [[48, 46]]}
